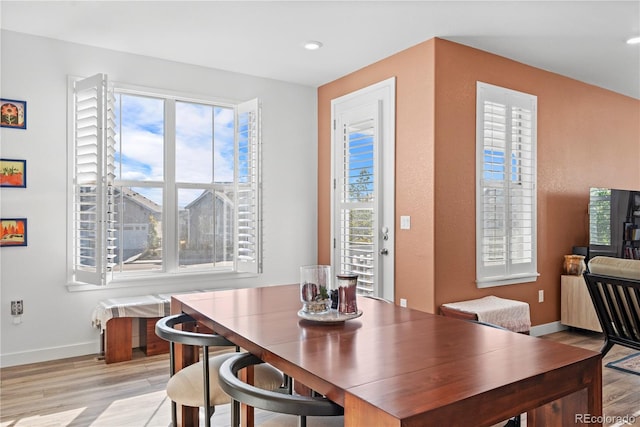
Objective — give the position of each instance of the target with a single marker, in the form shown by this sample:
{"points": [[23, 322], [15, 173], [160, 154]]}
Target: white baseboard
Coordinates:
{"points": [[547, 328], [51, 353], [63, 352]]}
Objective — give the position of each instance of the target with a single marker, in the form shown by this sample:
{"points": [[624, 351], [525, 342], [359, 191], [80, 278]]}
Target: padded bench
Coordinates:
{"points": [[509, 314], [114, 318]]}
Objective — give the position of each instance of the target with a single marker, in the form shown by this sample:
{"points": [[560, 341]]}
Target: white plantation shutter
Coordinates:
{"points": [[93, 174], [357, 195], [248, 242], [506, 186]]}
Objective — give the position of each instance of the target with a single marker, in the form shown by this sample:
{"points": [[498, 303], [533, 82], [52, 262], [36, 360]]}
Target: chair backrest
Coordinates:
{"points": [[270, 400], [617, 304], [165, 329]]}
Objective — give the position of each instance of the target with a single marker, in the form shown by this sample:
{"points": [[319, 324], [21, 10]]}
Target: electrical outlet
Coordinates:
{"points": [[403, 302], [17, 308], [541, 295]]}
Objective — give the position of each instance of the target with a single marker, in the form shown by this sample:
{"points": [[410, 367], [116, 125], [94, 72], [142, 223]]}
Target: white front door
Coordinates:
{"points": [[363, 160]]}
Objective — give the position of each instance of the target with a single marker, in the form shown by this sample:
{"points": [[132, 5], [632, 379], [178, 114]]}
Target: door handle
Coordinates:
{"points": [[384, 251], [385, 233]]}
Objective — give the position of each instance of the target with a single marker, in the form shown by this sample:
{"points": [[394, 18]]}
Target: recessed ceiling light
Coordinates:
{"points": [[634, 40], [312, 45]]}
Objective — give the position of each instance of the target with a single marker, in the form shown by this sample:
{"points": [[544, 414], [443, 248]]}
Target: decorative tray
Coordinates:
{"points": [[333, 316]]}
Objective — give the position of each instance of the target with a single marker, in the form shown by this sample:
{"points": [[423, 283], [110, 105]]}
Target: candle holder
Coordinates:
{"points": [[315, 281], [347, 290]]}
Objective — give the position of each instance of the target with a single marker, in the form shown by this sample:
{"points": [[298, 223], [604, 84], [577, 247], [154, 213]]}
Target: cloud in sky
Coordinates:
{"points": [[204, 143], [140, 132]]}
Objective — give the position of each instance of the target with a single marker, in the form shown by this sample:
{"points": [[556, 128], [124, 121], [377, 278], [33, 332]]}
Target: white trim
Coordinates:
{"points": [[170, 213], [496, 186], [186, 279], [70, 170], [50, 353], [130, 89], [488, 282], [546, 329], [170, 267], [384, 92]]}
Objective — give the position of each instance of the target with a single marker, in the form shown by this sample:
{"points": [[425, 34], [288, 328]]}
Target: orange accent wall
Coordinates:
{"points": [[587, 137], [413, 69]]}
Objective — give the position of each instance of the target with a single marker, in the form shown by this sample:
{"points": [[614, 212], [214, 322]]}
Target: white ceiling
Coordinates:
{"points": [[584, 40]]}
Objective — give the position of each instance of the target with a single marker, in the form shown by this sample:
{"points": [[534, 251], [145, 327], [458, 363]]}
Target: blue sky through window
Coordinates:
{"points": [[204, 144], [361, 165], [494, 165]]}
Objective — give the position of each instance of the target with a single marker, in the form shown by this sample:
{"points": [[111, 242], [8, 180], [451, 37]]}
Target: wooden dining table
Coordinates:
{"points": [[396, 366]]}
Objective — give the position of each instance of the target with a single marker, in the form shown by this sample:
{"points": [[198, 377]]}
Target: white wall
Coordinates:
{"points": [[57, 321]]}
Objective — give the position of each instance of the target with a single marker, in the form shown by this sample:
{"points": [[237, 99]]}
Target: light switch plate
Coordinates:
{"points": [[405, 222]]}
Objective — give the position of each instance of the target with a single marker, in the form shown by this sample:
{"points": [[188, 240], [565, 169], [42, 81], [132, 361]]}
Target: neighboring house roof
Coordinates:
{"points": [[201, 197], [140, 200]]}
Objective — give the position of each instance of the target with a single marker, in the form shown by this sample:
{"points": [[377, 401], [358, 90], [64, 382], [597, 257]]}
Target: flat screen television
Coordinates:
{"points": [[614, 223]]}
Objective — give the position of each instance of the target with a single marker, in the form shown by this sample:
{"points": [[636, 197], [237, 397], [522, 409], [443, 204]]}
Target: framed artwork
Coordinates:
{"points": [[13, 113], [13, 232], [13, 173]]}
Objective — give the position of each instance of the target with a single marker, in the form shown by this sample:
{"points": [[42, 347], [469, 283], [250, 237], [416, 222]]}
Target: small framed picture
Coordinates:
{"points": [[13, 173], [13, 113], [13, 232]]}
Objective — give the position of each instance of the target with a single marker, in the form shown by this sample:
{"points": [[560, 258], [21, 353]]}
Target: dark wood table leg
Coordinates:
{"points": [[581, 408]]}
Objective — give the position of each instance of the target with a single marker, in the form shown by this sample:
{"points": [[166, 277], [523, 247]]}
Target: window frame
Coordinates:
{"points": [[596, 204], [507, 269], [170, 271]]}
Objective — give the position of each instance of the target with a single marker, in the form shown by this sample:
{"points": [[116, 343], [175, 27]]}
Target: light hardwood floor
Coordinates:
{"points": [[84, 391]]}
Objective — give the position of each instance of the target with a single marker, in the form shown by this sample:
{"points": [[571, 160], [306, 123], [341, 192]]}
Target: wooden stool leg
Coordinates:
{"points": [[118, 340], [150, 343]]}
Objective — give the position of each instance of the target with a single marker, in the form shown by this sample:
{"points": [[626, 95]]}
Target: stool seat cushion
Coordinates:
{"points": [[509, 314], [185, 387]]}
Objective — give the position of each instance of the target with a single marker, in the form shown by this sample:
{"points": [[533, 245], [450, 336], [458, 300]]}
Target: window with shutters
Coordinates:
{"points": [[505, 186], [600, 217], [357, 200], [161, 184]]}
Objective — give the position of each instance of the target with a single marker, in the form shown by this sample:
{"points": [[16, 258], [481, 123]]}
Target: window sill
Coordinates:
{"points": [[160, 279], [490, 282]]}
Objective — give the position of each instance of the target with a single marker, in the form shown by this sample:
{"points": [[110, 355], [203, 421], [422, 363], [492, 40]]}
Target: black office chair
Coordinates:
{"points": [[197, 385], [302, 406]]}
